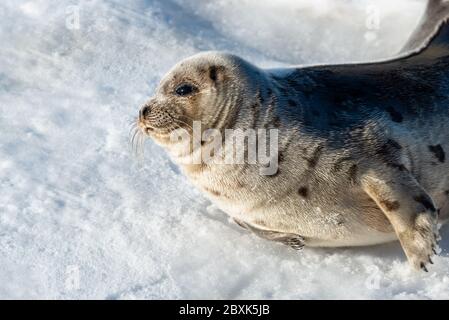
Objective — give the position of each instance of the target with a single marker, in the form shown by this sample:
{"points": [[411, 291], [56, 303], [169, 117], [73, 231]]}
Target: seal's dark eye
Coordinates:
{"points": [[185, 90]]}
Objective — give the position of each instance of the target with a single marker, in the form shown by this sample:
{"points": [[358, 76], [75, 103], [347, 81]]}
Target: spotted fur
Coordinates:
{"points": [[358, 143]]}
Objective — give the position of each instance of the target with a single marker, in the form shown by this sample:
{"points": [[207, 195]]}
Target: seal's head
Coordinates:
{"points": [[206, 87]]}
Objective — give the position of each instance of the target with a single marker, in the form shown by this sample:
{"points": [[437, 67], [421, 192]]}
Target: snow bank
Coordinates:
{"points": [[80, 218]]}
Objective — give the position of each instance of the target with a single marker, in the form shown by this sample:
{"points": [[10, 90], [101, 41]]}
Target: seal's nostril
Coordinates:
{"points": [[145, 111]]}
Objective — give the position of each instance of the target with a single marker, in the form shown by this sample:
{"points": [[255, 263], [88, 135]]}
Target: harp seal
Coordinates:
{"points": [[362, 148]]}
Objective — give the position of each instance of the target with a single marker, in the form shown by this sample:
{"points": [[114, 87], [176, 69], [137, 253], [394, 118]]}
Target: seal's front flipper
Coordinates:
{"points": [[410, 210], [290, 239]]}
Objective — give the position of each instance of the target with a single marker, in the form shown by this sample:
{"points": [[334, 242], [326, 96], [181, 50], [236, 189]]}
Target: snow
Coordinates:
{"points": [[81, 217]]}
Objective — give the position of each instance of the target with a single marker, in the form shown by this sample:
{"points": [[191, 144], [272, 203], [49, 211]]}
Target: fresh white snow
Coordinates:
{"points": [[80, 217]]}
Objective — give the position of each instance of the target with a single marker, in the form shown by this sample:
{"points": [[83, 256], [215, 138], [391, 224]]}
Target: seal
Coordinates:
{"points": [[361, 149], [436, 11]]}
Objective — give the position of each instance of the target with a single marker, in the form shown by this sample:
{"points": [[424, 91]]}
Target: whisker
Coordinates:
{"points": [[133, 133], [132, 122], [139, 147], [135, 143]]}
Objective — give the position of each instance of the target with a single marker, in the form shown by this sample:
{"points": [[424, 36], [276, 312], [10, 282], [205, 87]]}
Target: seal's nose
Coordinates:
{"points": [[145, 111]]}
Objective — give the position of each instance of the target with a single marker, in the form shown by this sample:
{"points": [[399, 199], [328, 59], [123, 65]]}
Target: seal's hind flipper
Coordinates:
{"points": [[429, 43], [433, 29], [292, 240]]}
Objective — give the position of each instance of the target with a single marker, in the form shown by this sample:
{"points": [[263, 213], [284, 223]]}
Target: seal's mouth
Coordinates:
{"points": [[156, 123], [155, 126], [161, 123], [144, 126], [151, 122], [141, 129]]}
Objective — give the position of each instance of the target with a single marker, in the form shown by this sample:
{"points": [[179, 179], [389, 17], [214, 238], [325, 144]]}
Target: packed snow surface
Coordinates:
{"points": [[81, 217]]}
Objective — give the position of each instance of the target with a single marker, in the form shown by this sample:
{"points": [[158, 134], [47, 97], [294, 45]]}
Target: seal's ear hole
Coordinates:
{"points": [[216, 73]]}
